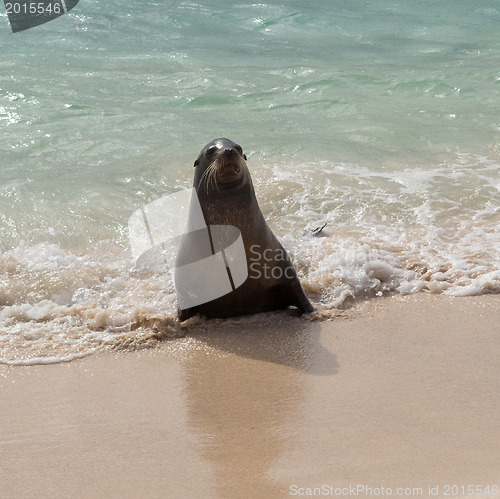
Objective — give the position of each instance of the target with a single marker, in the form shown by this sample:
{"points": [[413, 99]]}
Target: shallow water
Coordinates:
{"points": [[380, 119]]}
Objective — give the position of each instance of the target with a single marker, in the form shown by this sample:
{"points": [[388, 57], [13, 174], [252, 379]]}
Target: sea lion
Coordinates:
{"points": [[227, 198]]}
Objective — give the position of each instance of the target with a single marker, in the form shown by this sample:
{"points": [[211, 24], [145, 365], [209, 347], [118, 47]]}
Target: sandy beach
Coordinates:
{"points": [[399, 392]]}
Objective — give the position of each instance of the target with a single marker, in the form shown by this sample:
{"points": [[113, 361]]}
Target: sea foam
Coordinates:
{"points": [[432, 230]]}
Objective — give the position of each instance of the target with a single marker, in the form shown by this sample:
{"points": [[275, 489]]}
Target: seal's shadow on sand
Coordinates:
{"points": [[245, 382], [276, 337]]}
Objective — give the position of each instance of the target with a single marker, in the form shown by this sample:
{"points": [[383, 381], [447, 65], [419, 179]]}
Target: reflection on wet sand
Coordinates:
{"points": [[249, 410], [242, 385]]}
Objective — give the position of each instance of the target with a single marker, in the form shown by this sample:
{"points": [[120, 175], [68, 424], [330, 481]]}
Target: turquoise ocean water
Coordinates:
{"points": [[380, 118]]}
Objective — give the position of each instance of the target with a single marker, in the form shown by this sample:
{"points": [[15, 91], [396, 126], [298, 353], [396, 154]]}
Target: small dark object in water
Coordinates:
{"points": [[317, 230]]}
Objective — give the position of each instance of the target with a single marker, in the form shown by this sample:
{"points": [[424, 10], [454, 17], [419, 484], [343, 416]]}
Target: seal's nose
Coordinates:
{"points": [[229, 152]]}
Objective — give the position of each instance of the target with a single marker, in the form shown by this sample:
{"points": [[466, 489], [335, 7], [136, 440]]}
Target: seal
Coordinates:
{"points": [[226, 195]]}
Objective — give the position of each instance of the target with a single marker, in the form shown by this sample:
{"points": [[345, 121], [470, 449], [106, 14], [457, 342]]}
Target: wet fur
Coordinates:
{"points": [[236, 205]]}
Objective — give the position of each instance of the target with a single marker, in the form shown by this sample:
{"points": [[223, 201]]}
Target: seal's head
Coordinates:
{"points": [[221, 165]]}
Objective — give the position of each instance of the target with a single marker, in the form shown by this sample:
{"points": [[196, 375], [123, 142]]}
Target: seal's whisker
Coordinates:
{"points": [[212, 176], [214, 167], [209, 176]]}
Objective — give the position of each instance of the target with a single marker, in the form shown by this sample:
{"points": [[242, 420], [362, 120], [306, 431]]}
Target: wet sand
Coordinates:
{"points": [[401, 392]]}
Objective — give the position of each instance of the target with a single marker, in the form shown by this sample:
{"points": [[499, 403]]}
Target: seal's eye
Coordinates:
{"points": [[240, 151], [210, 152]]}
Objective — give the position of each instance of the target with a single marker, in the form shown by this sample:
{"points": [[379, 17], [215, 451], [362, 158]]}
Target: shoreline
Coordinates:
{"points": [[399, 392]]}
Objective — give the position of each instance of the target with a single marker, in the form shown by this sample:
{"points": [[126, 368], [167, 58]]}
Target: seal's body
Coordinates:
{"points": [[227, 198]]}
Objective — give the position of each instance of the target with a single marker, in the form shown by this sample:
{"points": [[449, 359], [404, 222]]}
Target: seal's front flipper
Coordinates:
{"points": [[300, 300], [305, 305], [186, 313]]}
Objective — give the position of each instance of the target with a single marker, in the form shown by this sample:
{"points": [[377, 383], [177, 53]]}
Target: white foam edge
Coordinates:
{"points": [[38, 361]]}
